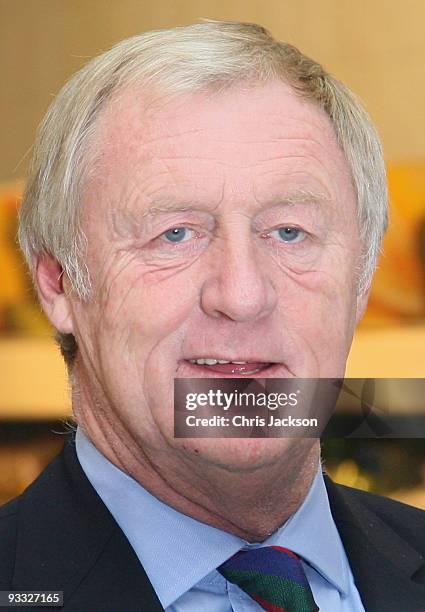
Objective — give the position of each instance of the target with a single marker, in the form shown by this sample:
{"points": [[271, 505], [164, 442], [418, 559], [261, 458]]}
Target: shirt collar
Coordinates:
{"points": [[312, 534], [177, 551]]}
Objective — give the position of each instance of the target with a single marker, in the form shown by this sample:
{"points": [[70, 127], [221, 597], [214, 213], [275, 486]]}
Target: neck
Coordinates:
{"points": [[250, 502]]}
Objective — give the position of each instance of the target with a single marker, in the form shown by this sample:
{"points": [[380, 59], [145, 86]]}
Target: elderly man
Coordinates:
{"points": [[203, 193]]}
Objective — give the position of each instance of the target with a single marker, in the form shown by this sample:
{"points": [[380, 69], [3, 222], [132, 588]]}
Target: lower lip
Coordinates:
{"points": [[233, 370]]}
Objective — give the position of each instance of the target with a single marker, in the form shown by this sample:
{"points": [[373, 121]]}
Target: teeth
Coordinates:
{"points": [[208, 361]]}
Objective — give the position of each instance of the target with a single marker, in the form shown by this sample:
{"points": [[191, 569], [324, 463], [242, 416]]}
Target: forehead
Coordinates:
{"points": [[264, 136]]}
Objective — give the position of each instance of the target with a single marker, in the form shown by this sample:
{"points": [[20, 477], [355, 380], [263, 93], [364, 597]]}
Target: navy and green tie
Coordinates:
{"points": [[273, 576]]}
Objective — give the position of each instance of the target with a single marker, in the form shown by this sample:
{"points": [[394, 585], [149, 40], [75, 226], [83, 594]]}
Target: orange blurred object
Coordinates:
{"points": [[398, 292]]}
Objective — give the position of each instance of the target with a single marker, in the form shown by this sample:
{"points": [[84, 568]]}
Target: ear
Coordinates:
{"points": [[362, 301], [52, 293]]}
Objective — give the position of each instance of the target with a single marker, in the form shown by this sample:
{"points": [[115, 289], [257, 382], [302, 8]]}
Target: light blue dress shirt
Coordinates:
{"points": [[180, 554]]}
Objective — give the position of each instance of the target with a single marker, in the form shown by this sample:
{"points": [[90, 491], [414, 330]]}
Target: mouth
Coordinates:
{"points": [[213, 367]]}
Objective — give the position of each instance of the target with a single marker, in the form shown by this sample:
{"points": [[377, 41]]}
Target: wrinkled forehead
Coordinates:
{"points": [[260, 133]]}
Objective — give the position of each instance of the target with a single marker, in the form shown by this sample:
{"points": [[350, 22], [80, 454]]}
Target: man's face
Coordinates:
{"points": [[220, 227]]}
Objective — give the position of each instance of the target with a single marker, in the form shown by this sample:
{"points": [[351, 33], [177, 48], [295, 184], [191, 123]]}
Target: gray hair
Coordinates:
{"points": [[210, 55]]}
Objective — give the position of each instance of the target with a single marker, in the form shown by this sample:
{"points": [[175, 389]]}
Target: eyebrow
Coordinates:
{"points": [[300, 196], [171, 206], [129, 218]]}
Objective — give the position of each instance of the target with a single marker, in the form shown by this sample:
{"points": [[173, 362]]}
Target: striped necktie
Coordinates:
{"points": [[273, 576]]}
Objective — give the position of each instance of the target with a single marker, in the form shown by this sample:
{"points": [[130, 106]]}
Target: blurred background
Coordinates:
{"points": [[376, 47]]}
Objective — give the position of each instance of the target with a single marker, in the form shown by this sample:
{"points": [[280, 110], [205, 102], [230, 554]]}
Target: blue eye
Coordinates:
{"points": [[177, 234], [289, 234]]}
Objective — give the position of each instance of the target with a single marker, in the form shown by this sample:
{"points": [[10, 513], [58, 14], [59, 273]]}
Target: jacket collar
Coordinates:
{"points": [[388, 571], [85, 553]]}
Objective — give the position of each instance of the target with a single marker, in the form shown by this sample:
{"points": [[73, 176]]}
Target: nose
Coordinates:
{"points": [[239, 286]]}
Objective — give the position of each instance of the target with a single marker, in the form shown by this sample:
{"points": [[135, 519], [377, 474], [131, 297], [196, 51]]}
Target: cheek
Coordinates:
{"points": [[317, 311], [143, 310], [319, 293], [332, 328], [135, 331]]}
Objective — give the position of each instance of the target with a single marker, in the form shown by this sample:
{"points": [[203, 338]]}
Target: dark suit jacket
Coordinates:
{"points": [[58, 535]]}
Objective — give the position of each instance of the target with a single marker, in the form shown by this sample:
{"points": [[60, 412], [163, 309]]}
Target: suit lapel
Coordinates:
{"points": [[67, 540], [387, 570]]}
